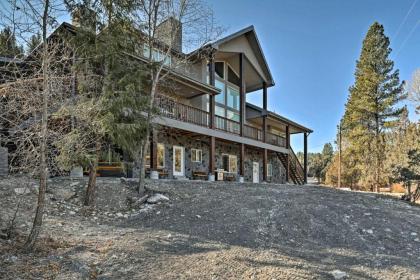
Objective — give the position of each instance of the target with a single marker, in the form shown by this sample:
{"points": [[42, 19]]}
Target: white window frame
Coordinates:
{"points": [[197, 152], [269, 169], [229, 159], [163, 155]]}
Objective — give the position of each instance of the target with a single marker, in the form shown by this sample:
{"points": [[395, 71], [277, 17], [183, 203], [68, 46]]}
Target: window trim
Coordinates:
{"points": [[195, 151], [163, 155], [269, 170], [229, 158]]}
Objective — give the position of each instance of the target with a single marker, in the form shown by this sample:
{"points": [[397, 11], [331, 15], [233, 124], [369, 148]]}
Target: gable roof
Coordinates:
{"points": [[251, 35]]}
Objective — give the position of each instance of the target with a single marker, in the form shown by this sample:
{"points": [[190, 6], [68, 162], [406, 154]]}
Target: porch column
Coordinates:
{"points": [[288, 155], [212, 103], [153, 156], [242, 161], [212, 155], [264, 126], [305, 157], [241, 94], [265, 165]]}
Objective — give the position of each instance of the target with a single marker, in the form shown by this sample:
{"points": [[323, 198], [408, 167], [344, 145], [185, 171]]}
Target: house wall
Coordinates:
{"points": [[170, 139]]}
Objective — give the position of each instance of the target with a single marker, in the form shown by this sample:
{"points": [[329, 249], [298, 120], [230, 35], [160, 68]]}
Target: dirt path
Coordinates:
{"points": [[225, 231]]}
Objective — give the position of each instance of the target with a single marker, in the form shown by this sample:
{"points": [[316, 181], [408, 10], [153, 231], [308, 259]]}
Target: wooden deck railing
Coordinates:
{"points": [[276, 140], [173, 109], [227, 125], [295, 164], [253, 133]]}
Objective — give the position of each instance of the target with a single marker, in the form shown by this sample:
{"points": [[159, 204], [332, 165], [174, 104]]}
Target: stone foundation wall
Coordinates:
{"points": [[170, 140], [251, 155]]}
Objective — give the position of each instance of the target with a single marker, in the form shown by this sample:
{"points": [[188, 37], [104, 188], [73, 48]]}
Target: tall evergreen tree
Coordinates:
{"points": [[372, 106], [8, 44], [34, 42]]}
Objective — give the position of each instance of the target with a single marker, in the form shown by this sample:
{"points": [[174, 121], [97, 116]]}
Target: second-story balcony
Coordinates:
{"points": [[174, 109]]}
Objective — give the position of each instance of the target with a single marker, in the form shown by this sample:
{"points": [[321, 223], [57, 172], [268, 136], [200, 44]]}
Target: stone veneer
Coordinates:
{"points": [[171, 139]]}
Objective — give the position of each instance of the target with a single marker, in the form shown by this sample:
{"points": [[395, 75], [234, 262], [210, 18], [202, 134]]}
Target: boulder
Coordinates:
{"points": [[157, 197], [22, 190]]}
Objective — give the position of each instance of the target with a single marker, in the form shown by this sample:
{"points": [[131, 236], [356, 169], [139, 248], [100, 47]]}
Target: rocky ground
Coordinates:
{"points": [[201, 230]]}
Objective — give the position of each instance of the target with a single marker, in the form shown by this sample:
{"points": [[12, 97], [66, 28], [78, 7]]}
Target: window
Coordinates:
{"points": [[219, 68], [220, 98], [219, 111], [160, 155], [232, 115], [196, 155], [269, 170], [232, 77], [232, 98], [230, 163]]}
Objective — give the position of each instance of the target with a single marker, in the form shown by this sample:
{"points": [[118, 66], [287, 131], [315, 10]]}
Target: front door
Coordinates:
{"points": [[255, 172], [178, 160]]}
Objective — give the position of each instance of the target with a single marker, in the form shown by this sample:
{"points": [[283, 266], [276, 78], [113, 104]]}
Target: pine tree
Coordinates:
{"points": [[8, 44], [34, 42], [372, 106]]}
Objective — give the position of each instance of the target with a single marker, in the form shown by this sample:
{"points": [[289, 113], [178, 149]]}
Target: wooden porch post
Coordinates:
{"points": [[212, 82], [305, 157], [288, 155], [241, 94], [212, 155], [264, 128], [265, 165], [242, 161], [153, 151]]}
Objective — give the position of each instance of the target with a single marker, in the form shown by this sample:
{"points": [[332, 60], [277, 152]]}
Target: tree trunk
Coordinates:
{"points": [[416, 195], [91, 187], [43, 172], [142, 166]]}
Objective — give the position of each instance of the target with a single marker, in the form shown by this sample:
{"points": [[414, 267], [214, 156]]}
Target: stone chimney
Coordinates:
{"points": [[84, 17], [169, 31]]}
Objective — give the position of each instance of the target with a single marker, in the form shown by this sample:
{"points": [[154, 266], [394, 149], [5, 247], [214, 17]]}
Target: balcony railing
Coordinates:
{"points": [[276, 140], [253, 133], [227, 125], [170, 108], [173, 109]]}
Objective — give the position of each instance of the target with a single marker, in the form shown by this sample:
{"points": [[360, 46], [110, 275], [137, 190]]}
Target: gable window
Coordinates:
{"points": [[219, 68], [160, 155], [269, 170], [233, 77], [230, 163], [196, 155]]}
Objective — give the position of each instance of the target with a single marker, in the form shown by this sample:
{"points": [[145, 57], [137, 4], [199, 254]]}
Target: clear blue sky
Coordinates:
{"points": [[312, 46]]}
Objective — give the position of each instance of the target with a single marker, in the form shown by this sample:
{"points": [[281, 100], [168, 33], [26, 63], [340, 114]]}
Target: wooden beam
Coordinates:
{"points": [[305, 157], [242, 93], [212, 155], [287, 168], [212, 81], [264, 126], [287, 137], [265, 165], [242, 161]]}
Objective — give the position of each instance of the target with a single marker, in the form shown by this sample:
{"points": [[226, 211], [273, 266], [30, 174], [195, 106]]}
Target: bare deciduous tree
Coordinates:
{"points": [[33, 89]]}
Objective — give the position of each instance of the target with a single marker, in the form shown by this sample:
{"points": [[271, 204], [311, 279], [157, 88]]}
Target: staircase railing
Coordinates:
{"points": [[295, 164]]}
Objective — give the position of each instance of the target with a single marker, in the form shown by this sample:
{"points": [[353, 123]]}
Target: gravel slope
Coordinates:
{"points": [[222, 231]]}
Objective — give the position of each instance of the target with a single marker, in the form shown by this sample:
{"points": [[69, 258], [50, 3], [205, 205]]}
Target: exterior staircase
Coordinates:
{"points": [[296, 173]]}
